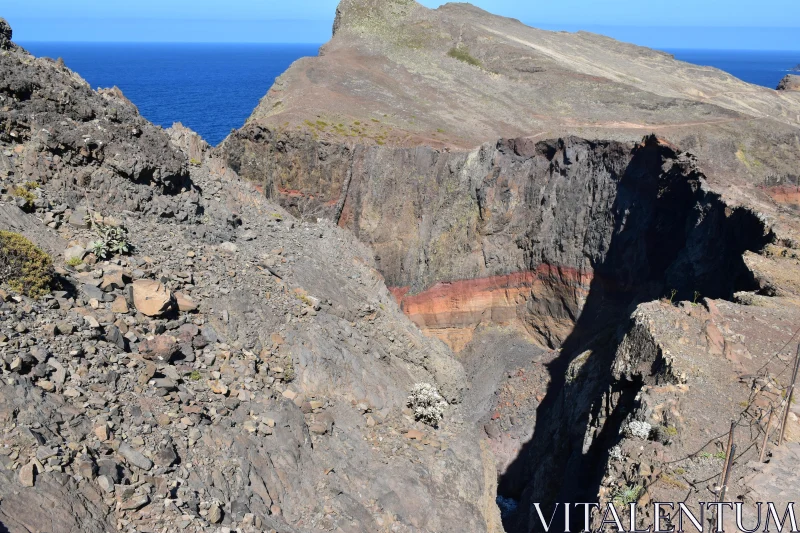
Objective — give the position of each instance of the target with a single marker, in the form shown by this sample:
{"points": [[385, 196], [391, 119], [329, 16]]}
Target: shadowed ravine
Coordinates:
{"points": [[559, 240], [700, 242]]}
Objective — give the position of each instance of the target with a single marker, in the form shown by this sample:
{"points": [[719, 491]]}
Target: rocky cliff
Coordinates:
{"points": [[529, 196], [393, 133]]}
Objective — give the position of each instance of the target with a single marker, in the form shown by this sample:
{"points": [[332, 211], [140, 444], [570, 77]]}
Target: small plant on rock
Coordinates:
{"points": [[672, 295], [24, 192], [427, 404], [74, 261], [627, 495], [638, 429], [25, 268], [113, 241]]}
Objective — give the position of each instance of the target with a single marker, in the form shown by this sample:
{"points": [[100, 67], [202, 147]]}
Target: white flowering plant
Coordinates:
{"points": [[427, 404]]}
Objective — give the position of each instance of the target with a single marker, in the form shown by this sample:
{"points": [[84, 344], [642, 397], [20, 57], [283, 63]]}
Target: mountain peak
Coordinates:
{"points": [[367, 14]]}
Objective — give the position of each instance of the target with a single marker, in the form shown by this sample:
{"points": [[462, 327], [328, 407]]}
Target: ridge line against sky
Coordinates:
{"points": [[729, 24]]}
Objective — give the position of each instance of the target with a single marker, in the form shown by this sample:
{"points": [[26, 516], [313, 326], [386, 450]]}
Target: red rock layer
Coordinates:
{"points": [[785, 195], [543, 303]]}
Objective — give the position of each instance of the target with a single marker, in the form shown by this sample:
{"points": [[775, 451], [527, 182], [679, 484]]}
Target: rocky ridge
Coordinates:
{"points": [[240, 369]]}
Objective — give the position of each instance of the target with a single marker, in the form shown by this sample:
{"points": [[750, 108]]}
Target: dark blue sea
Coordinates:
{"points": [[753, 66], [213, 88]]}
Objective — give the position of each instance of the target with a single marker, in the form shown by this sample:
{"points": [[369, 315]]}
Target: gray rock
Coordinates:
{"points": [[5, 35], [75, 252], [135, 457], [79, 218]]}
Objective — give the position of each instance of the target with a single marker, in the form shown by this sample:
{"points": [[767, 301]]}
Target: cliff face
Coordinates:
{"points": [[500, 177], [511, 233], [393, 133], [398, 74]]}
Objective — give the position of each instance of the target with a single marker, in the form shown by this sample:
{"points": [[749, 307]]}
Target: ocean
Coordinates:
{"points": [[753, 66], [213, 88]]}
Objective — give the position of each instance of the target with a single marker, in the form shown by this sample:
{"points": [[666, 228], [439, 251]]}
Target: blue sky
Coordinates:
{"points": [[742, 24]]}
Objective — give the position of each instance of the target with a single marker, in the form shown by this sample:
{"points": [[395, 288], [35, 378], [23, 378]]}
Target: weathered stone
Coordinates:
{"points": [[135, 457], [160, 347], [137, 501], [79, 218], [120, 305], [185, 303], [115, 337], [74, 253], [27, 475], [113, 280], [151, 298], [415, 434], [215, 514]]}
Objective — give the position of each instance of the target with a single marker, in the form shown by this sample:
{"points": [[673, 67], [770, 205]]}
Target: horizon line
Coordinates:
{"points": [[298, 43]]}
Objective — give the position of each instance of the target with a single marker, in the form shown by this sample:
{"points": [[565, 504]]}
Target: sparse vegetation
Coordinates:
{"points": [[462, 54], [672, 295], [23, 266], [24, 192], [113, 241], [195, 375], [672, 482], [194, 162], [627, 495], [74, 261], [427, 404], [288, 370]]}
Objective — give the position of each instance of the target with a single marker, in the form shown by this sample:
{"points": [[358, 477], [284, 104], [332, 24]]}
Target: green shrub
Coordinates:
{"points": [[462, 54], [113, 240], [627, 495], [25, 193], [74, 261], [23, 266]]}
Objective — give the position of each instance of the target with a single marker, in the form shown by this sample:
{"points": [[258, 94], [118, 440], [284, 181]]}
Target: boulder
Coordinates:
{"points": [[160, 347], [151, 297]]}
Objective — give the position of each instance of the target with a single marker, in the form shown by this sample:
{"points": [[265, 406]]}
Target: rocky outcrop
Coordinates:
{"points": [[5, 35], [92, 146], [790, 82], [398, 74]]}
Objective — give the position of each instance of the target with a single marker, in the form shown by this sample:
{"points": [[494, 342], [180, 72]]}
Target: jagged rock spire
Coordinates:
{"points": [[5, 34]]}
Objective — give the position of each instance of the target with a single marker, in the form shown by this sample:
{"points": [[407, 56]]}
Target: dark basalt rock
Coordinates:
{"points": [[5, 35], [89, 143]]}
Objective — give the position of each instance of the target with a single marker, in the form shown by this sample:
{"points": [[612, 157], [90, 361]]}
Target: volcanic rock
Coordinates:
{"points": [[151, 297]]}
